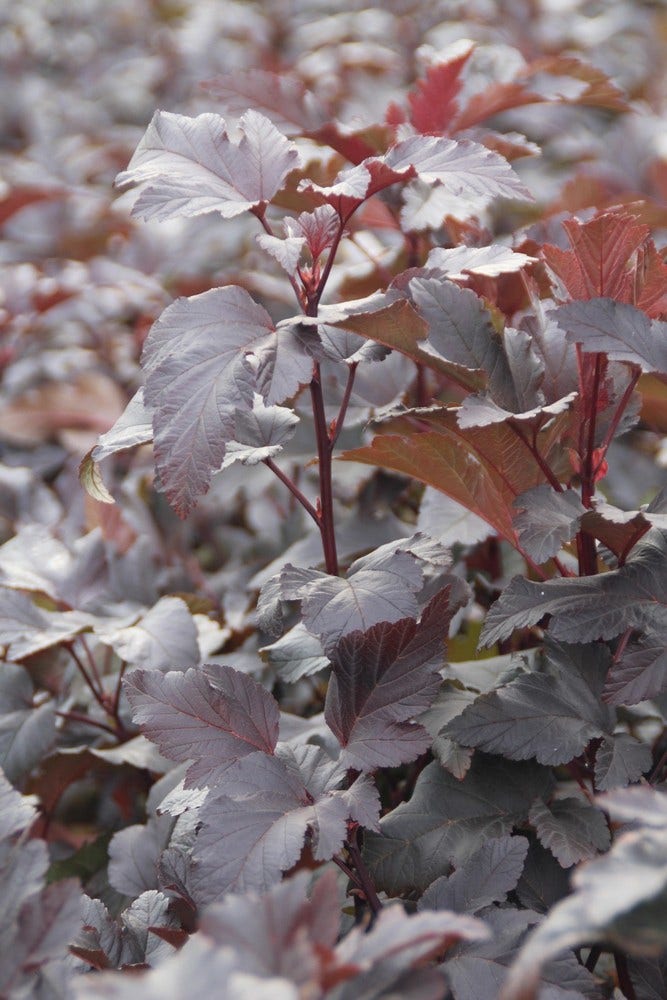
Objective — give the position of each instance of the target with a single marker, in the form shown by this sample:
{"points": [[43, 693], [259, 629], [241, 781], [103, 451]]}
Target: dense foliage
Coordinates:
{"points": [[333, 575]]}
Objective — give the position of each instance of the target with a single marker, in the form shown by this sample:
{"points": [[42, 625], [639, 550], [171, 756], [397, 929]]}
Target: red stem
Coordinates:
{"points": [[293, 488], [325, 515]]}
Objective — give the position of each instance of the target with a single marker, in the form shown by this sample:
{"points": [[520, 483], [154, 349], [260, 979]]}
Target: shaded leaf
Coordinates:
{"points": [[190, 166], [17, 811], [485, 878], [621, 760], [571, 829], [26, 629], [297, 654], [478, 971], [447, 820], [281, 97], [543, 881], [188, 717], [618, 899], [165, 638], [27, 730]]}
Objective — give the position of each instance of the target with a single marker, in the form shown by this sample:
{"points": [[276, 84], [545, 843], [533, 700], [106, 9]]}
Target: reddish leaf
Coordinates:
{"points": [[433, 101], [601, 260]]}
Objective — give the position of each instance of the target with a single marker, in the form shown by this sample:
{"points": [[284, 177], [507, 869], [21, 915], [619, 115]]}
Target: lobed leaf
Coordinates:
{"points": [[588, 608], [485, 878], [191, 166], [617, 329]]}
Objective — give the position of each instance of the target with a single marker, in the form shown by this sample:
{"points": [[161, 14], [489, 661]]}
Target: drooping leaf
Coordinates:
{"points": [[134, 427], [617, 329], [27, 730], [165, 638], [547, 520], [618, 898], [190, 718], [206, 357], [16, 811], [621, 760], [549, 714], [571, 829], [589, 608], [447, 820], [460, 331], [485, 878], [191, 166], [381, 679], [26, 629], [478, 970], [259, 433], [543, 881]]}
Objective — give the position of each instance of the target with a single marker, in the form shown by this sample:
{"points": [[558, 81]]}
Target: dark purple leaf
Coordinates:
{"points": [[589, 608], [189, 718], [640, 673], [380, 587], [485, 878], [191, 166], [447, 820], [549, 714], [620, 760], [571, 829], [478, 971], [382, 678]]}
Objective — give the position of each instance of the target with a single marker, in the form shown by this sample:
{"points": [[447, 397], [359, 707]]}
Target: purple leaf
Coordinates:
{"points": [[448, 819], [620, 760], [588, 608], [206, 357], [190, 718], [259, 433], [640, 673], [382, 678], [549, 714], [283, 98], [485, 878], [191, 166], [617, 329], [281, 933], [492, 261], [165, 638], [27, 730], [547, 520], [571, 829]]}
